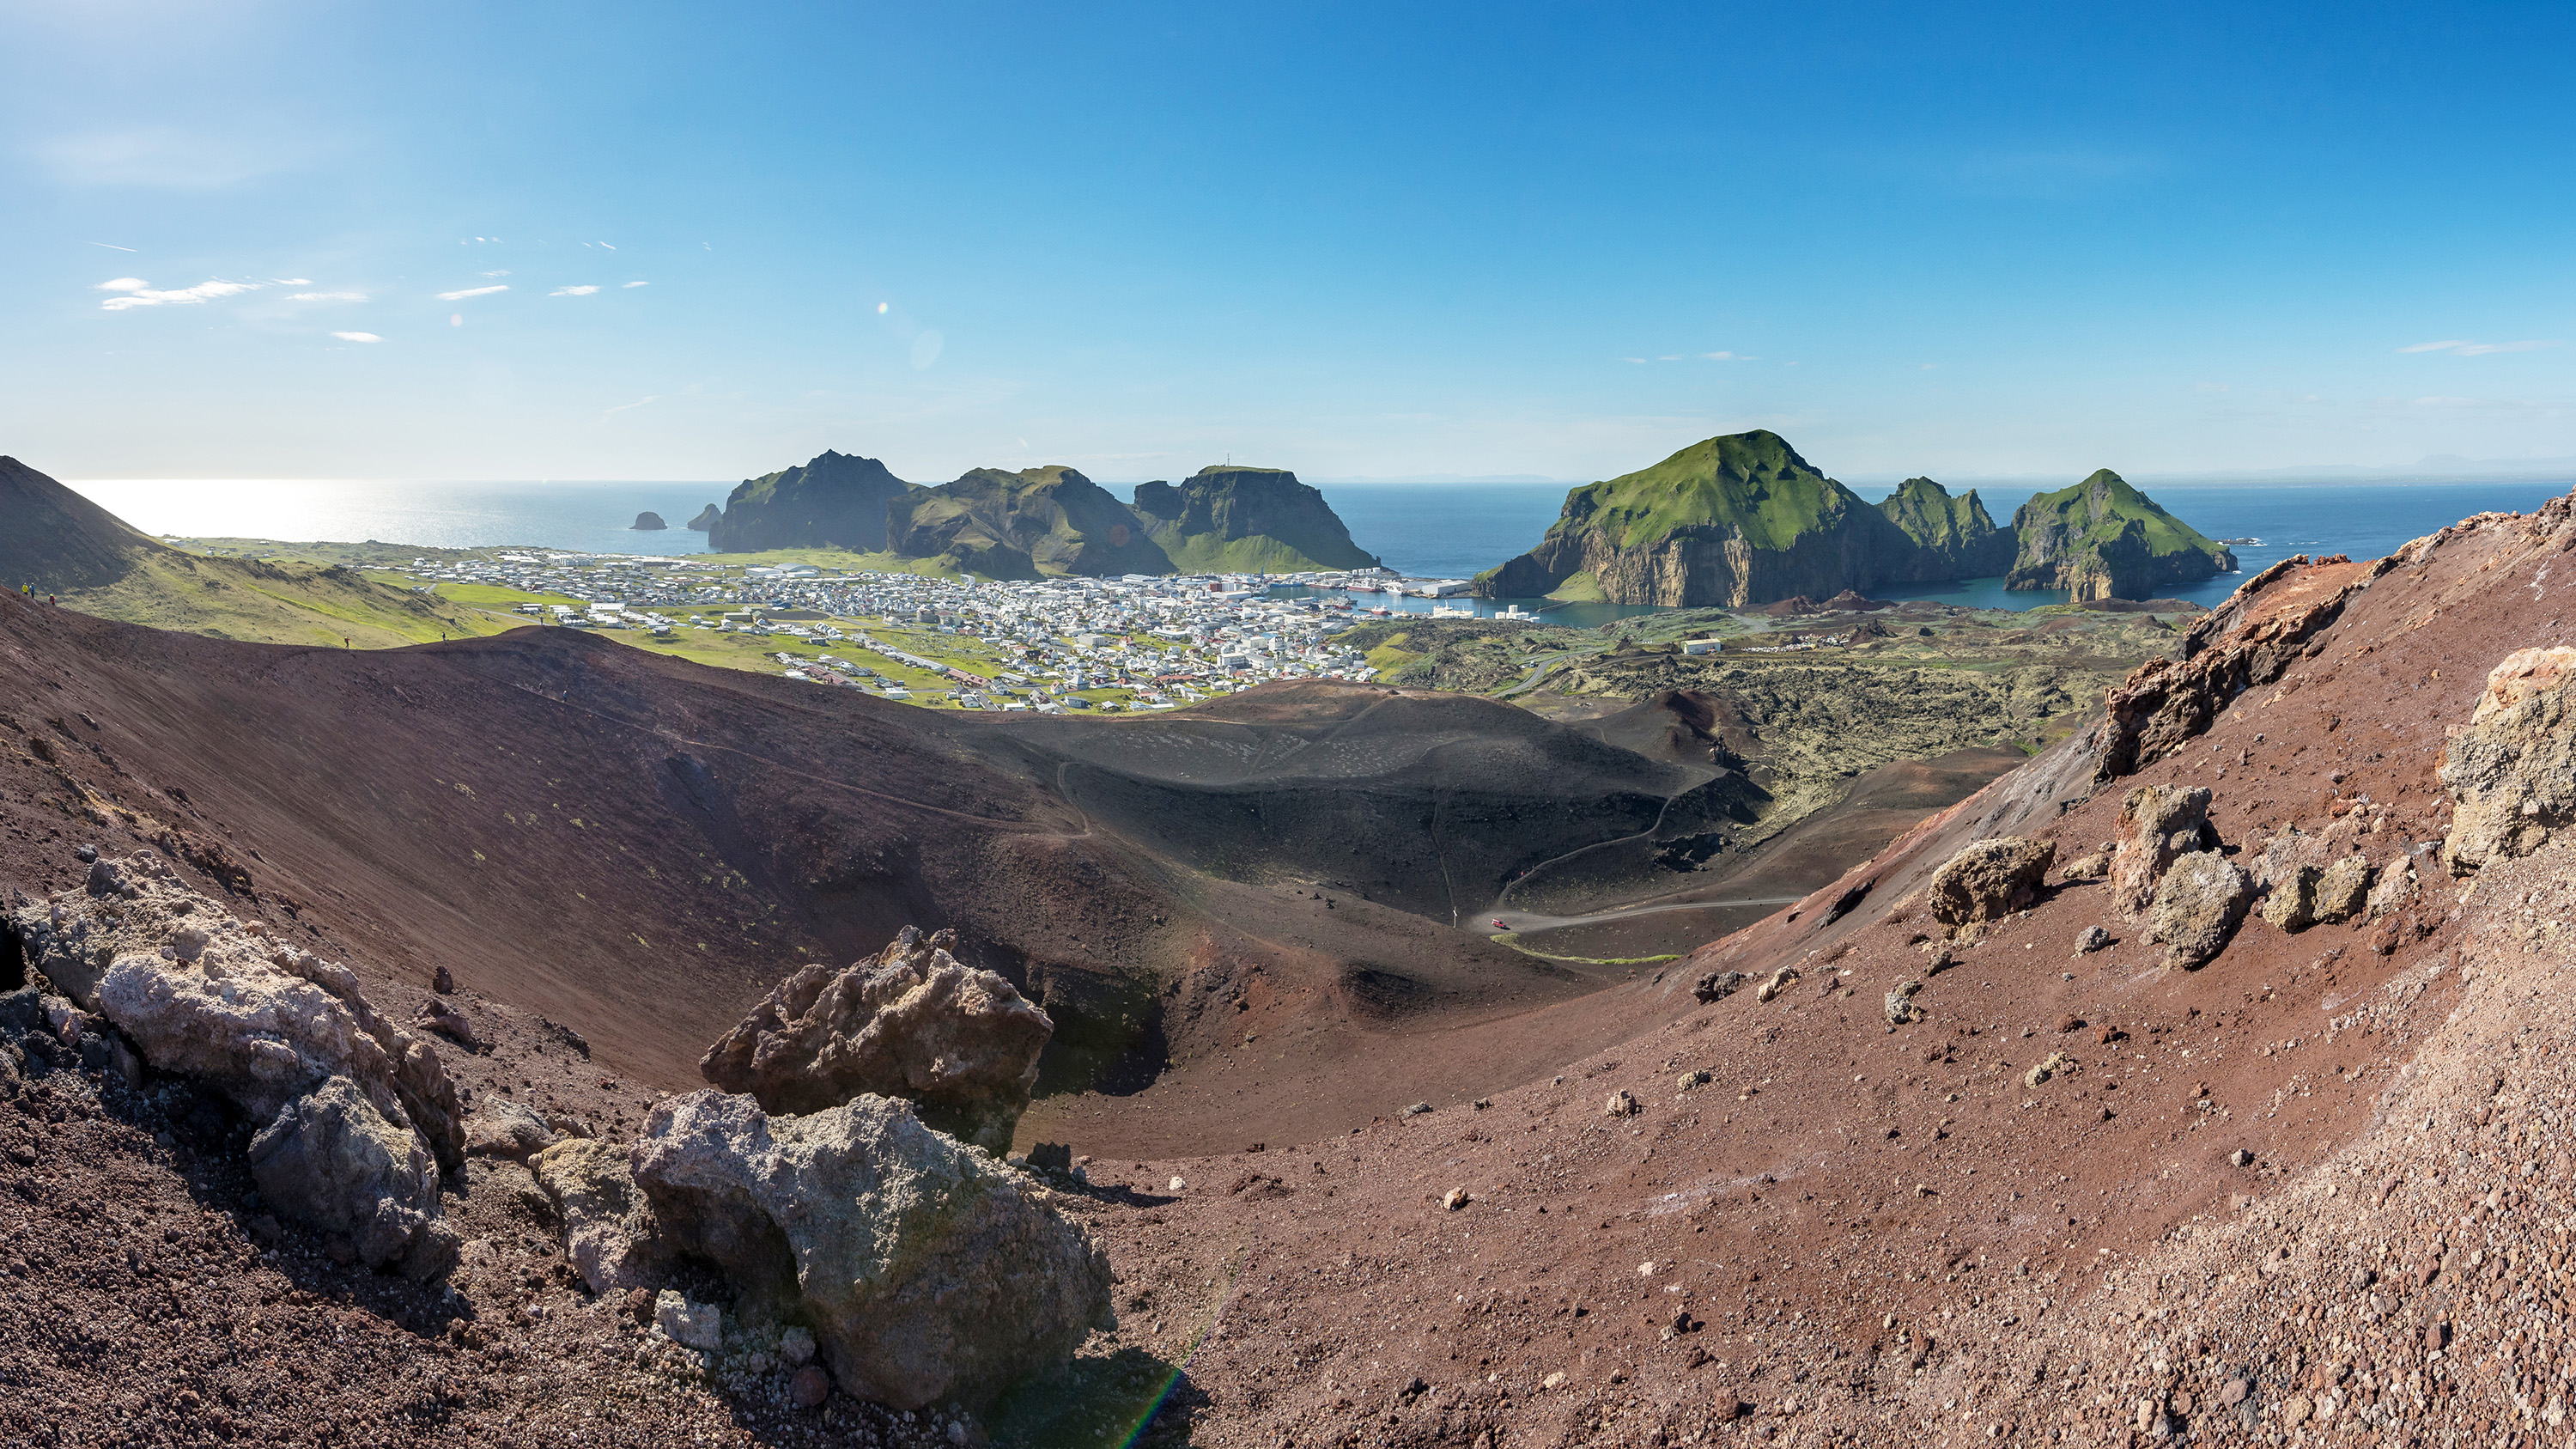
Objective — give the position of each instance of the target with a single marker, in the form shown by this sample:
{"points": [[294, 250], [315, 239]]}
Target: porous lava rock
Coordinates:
{"points": [[2158, 825], [1989, 879], [357, 1115], [330, 1159], [909, 1022], [609, 1233], [928, 1271], [2198, 906], [2512, 769]]}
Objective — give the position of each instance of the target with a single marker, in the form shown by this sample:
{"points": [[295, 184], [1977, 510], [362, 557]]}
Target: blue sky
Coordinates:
{"points": [[261, 239]]}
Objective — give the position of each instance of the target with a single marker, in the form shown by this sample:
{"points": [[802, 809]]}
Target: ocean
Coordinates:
{"points": [[1441, 530]]}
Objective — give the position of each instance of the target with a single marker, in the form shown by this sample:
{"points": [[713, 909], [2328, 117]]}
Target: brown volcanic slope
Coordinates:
{"points": [[1873, 1234], [639, 847]]}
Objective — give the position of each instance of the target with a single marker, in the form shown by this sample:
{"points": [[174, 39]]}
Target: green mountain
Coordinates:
{"points": [[1225, 520], [1023, 525], [1731, 521], [835, 501], [1955, 537], [2106, 540]]}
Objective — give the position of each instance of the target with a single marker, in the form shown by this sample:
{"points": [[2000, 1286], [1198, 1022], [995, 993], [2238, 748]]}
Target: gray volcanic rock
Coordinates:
{"points": [[1989, 879], [835, 501], [647, 522], [928, 1270], [706, 518], [330, 1159], [1021, 525], [2512, 769], [2158, 823], [500, 1127], [200, 992], [2198, 905], [908, 1022]]}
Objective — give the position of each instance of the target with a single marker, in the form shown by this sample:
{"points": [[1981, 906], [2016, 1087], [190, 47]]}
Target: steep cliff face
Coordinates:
{"points": [[1246, 520], [1734, 520], [2103, 539], [1022, 525], [1954, 538], [835, 501]]}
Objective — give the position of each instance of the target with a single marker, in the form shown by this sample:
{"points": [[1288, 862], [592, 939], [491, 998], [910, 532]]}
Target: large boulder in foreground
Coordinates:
{"points": [[2158, 825], [2512, 769], [1989, 880], [929, 1270], [908, 1022], [2198, 906], [357, 1115]]}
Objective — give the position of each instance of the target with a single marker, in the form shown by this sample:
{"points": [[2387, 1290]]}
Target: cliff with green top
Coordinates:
{"points": [[835, 501], [1246, 520], [2103, 539], [1023, 525], [1954, 538], [1730, 521]]}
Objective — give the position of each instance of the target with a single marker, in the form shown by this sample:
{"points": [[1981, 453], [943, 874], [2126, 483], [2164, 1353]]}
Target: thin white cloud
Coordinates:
{"points": [[1668, 357], [111, 246], [292, 281], [606, 245], [639, 284], [328, 297], [572, 291], [471, 292], [503, 273], [1729, 357], [2457, 347], [627, 407], [1638, 360], [135, 292], [167, 157], [357, 337]]}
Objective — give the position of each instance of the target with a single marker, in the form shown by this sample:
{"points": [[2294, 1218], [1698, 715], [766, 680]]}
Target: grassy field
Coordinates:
{"points": [[282, 603]]}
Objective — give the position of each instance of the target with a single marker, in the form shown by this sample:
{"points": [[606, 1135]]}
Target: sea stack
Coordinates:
{"points": [[648, 522], [706, 518]]}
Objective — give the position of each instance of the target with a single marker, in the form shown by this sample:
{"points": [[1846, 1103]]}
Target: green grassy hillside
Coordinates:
{"points": [[1754, 483]]}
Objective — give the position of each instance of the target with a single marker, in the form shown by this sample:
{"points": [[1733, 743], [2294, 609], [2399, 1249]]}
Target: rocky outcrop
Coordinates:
{"points": [[1246, 520], [2274, 619], [909, 1022], [609, 1233], [1988, 880], [929, 1271], [2103, 539], [2198, 905], [835, 501], [706, 519], [2511, 769], [358, 1114], [2158, 825], [647, 522]]}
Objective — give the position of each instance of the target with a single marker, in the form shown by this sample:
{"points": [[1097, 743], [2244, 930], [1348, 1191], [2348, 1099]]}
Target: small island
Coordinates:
{"points": [[648, 522], [706, 518]]}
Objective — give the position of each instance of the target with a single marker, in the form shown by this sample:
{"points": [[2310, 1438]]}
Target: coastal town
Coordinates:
{"points": [[1049, 646]]}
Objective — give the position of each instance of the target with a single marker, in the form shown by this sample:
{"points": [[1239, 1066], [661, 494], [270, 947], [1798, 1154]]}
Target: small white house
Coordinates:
{"points": [[1703, 646]]}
